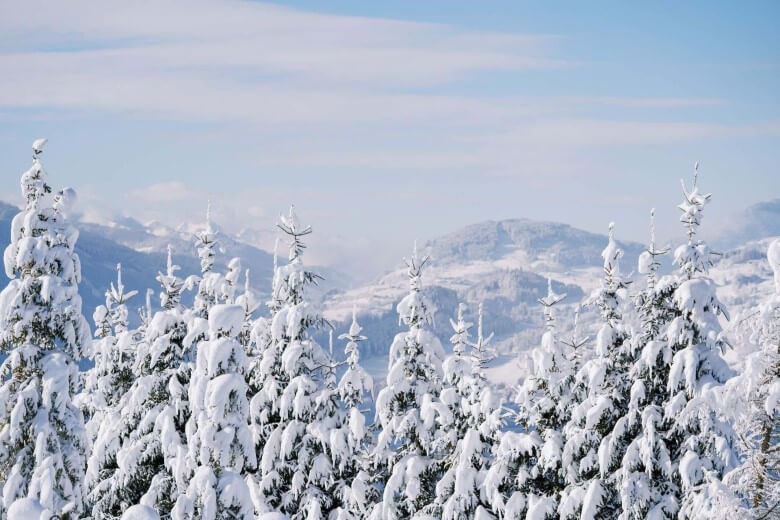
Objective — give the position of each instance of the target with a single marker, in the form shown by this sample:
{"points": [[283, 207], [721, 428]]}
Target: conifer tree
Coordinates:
{"points": [[597, 432], [289, 412], [527, 477], [219, 440], [406, 409], [351, 441], [172, 285], [652, 303], [206, 244], [682, 437], [474, 428], [138, 454], [250, 303], [752, 402], [43, 334], [113, 355]]}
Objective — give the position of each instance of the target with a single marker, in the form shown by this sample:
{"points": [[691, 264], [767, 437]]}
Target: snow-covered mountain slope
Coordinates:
{"points": [[154, 237], [505, 265], [141, 249], [744, 279], [754, 223]]}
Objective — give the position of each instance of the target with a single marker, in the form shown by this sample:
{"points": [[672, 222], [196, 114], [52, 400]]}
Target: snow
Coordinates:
{"points": [[140, 512], [773, 256], [592, 501], [28, 509], [690, 469], [38, 145], [208, 388]]}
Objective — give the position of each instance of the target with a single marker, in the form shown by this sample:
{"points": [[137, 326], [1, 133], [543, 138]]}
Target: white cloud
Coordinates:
{"points": [[329, 95]]}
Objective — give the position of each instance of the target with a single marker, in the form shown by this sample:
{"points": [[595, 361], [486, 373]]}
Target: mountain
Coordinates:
{"points": [[754, 223], [141, 249], [540, 246], [503, 264]]}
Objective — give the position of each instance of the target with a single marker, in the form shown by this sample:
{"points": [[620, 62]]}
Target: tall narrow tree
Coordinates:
{"points": [[295, 469], [404, 453], [475, 424], [683, 438], [597, 432], [527, 476], [351, 441], [43, 333], [138, 454], [113, 355], [220, 441]]}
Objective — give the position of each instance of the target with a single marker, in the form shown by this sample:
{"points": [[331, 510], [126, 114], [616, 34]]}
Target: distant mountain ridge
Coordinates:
{"points": [[142, 255], [558, 245], [503, 264], [754, 223]]}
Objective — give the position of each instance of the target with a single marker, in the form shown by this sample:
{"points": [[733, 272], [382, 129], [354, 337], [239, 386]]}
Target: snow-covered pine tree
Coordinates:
{"points": [[113, 355], [752, 401], [350, 442], [701, 441], [172, 285], [290, 413], [527, 477], [652, 303], [43, 442], [250, 303], [597, 432], [645, 485], [138, 454], [219, 440], [228, 292], [476, 421], [683, 439], [208, 283], [406, 409]]}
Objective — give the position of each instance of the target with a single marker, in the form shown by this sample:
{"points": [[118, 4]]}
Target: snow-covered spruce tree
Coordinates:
{"points": [[208, 283], [645, 485], [43, 334], [526, 478], [653, 304], [350, 442], [250, 303], [172, 285], [404, 457], [113, 355], [212, 287], [290, 413], [701, 440], [219, 441], [474, 428], [683, 439], [752, 400], [138, 454], [598, 431]]}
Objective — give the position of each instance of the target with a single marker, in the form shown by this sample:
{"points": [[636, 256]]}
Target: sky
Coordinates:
{"points": [[389, 122]]}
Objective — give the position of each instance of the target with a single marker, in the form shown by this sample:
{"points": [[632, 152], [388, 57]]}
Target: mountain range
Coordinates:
{"points": [[505, 265]]}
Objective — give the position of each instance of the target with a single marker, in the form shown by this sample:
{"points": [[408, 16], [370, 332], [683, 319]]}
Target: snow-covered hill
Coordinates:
{"points": [[141, 249], [505, 265], [754, 223]]}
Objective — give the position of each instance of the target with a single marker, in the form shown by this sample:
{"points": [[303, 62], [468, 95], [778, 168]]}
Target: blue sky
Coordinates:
{"points": [[387, 122]]}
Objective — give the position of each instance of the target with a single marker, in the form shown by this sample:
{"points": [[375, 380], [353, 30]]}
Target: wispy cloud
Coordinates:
{"points": [[366, 108]]}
